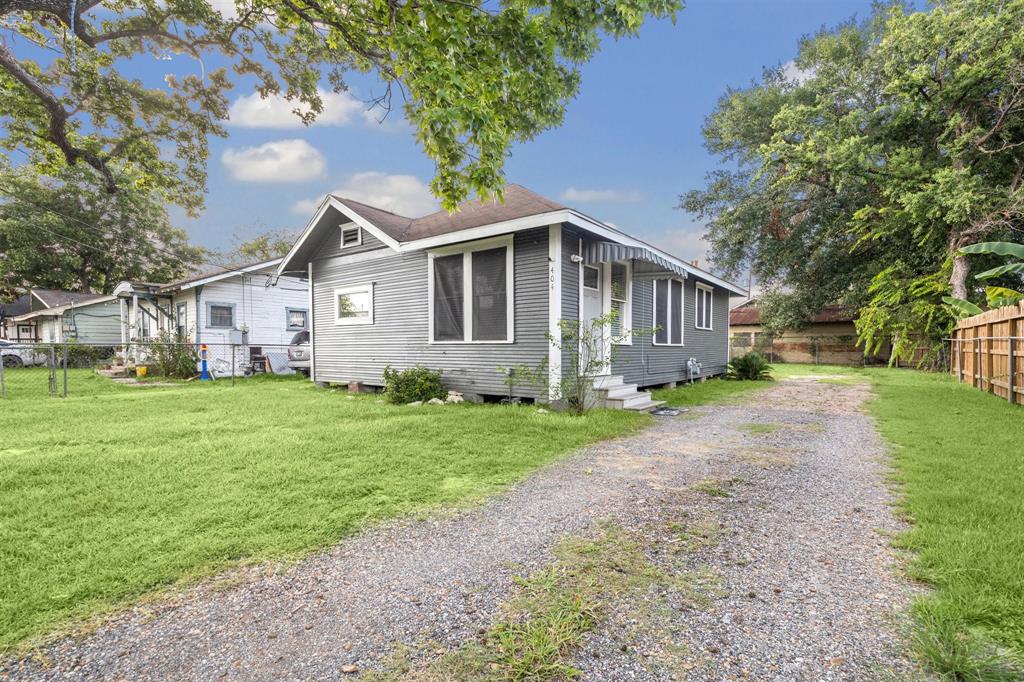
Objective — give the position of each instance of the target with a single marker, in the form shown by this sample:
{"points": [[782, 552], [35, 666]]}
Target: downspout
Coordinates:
{"points": [[199, 290]]}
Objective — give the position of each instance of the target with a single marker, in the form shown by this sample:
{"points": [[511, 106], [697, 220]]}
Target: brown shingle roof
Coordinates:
{"points": [[519, 202]]}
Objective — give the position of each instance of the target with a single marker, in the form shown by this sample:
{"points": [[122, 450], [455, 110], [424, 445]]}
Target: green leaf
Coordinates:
{"points": [[998, 248], [1009, 268], [962, 307], [1000, 296]]}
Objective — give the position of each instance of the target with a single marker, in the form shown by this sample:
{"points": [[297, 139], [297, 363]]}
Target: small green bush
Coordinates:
{"points": [[415, 383], [172, 357], [750, 367], [80, 355]]}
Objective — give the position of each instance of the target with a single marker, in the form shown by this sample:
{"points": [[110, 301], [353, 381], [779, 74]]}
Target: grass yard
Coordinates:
{"points": [[707, 392], [959, 458], [117, 491]]}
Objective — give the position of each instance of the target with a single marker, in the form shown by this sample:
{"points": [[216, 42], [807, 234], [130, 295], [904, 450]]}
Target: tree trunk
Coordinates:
{"points": [[958, 280]]}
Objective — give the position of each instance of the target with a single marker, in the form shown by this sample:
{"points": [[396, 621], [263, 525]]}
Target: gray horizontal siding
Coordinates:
{"points": [[399, 335], [570, 284], [99, 323], [329, 245], [646, 364]]}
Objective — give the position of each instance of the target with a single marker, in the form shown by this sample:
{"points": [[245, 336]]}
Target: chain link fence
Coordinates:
{"points": [[56, 370]]}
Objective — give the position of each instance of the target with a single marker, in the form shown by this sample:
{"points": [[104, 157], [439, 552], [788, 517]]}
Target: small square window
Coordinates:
{"points": [[351, 235], [298, 319], [220, 315], [591, 277], [354, 305]]}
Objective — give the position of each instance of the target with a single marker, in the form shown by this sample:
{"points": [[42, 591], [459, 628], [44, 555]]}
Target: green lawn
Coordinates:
{"points": [[959, 460], [706, 392], [116, 491]]}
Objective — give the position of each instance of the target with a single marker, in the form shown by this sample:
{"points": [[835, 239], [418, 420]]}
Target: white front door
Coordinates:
{"points": [[593, 306]]}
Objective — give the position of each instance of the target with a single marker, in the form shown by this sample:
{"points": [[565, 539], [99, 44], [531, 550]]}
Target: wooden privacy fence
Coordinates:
{"points": [[988, 352]]}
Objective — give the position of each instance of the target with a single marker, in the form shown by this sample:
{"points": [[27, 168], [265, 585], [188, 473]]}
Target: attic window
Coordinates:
{"points": [[351, 235]]}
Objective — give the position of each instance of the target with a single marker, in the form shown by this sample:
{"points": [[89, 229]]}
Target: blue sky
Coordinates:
{"points": [[629, 146]]}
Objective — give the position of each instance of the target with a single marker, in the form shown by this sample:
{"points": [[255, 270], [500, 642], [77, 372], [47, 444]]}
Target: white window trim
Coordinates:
{"points": [[710, 306], [668, 318], [359, 235], [352, 321], [583, 278], [627, 308], [467, 285]]}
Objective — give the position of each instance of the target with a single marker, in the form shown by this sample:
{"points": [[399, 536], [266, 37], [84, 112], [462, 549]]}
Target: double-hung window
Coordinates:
{"points": [[471, 293], [619, 293], [702, 310], [668, 312], [181, 321]]}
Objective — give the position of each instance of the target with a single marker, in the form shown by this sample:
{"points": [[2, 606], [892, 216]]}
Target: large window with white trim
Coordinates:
{"points": [[668, 312], [703, 307], [471, 293]]}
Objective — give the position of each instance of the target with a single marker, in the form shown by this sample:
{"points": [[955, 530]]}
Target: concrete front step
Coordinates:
{"points": [[612, 392]]}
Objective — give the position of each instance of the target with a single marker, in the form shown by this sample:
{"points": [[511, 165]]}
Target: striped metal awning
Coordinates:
{"points": [[646, 262]]}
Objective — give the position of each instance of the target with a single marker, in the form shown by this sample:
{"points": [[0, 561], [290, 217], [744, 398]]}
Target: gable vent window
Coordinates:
{"points": [[668, 312], [471, 293], [620, 302], [704, 305], [351, 235]]}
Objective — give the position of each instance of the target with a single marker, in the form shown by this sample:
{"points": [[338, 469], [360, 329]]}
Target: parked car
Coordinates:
{"points": [[298, 353], [21, 355]]}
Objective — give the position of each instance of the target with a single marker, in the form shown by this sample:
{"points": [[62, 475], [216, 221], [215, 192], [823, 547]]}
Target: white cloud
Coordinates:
{"points": [[402, 194], [604, 196], [226, 8], [686, 243], [253, 111], [278, 161], [794, 74]]}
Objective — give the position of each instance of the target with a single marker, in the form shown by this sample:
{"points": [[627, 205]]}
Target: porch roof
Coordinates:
{"points": [[649, 263]]}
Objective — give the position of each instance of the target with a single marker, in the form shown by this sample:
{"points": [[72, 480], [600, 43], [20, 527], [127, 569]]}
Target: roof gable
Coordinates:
{"points": [[52, 298]]}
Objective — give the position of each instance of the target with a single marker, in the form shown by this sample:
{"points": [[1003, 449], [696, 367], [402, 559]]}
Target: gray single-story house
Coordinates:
{"points": [[482, 288], [57, 316]]}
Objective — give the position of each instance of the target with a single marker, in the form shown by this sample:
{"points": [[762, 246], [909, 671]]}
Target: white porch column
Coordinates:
{"points": [[554, 310]]}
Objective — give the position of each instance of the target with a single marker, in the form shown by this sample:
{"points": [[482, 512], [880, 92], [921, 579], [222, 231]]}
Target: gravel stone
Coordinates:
{"points": [[806, 582]]}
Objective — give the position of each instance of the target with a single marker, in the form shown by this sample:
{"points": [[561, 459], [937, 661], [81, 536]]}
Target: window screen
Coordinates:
{"points": [[222, 316], [490, 311], [661, 310], [676, 311], [448, 299], [619, 295], [591, 277]]}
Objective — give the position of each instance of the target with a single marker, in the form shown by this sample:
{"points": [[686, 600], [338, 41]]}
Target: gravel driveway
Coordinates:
{"points": [[791, 482]]}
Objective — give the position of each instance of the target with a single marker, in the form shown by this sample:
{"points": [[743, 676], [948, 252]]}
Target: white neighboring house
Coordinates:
{"points": [[238, 306]]}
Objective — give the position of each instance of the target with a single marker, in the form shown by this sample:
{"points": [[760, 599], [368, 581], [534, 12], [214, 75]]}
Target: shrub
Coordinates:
{"points": [[173, 358], [415, 383], [80, 355], [750, 367]]}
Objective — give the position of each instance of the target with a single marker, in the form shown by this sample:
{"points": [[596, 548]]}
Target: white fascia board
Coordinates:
{"points": [[562, 216], [223, 275], [340, 206]]}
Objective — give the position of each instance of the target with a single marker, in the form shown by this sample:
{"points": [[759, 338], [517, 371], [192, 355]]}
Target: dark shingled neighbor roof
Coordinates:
{"points": [[18, 306], [750, 313], [519, 202], [53, 298]]}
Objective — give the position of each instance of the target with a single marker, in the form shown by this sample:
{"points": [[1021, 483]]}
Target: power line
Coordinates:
{"points": [[7, 192]]}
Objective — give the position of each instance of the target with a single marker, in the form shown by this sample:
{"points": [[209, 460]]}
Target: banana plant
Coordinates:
{"points": [[995, 296]]}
